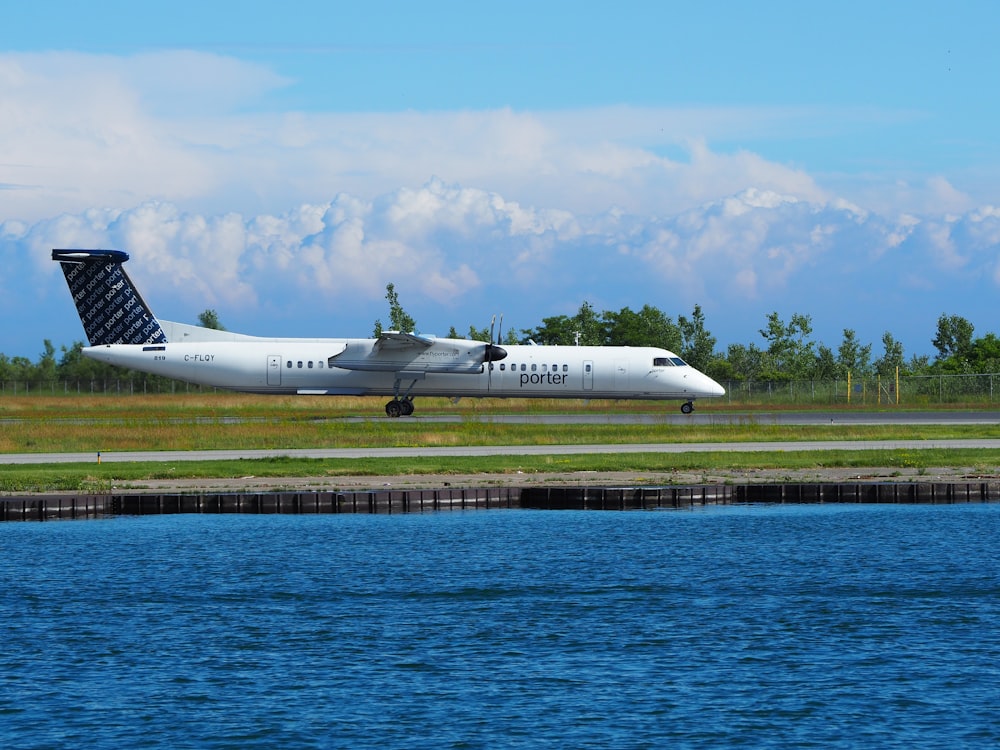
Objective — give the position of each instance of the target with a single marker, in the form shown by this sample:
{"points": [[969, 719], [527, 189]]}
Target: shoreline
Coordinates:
{"points": [[552, 479]]}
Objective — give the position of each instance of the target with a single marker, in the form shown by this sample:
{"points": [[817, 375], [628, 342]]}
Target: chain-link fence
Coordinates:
{"points": [[909, 390], [107, 386]]}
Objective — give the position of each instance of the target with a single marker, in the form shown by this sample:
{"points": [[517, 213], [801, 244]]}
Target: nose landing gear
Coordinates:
{"points": [[687, 408]]}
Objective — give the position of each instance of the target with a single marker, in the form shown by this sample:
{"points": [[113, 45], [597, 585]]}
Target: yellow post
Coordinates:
{"points": [[848, 386], [897, 385]]}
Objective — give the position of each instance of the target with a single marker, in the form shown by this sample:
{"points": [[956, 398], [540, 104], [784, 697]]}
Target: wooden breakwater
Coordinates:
{"points": [[53, 507], [639, 498], [79, 506]]}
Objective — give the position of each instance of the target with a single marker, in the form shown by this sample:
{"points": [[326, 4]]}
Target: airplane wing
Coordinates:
{"points": [[397, 341], [409, 354]]}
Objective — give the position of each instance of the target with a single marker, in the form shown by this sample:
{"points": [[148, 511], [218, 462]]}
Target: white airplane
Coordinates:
{"points": [[123, 331]]}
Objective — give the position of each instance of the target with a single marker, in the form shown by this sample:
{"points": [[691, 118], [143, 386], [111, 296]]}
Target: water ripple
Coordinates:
{"points": [[783, 627]]}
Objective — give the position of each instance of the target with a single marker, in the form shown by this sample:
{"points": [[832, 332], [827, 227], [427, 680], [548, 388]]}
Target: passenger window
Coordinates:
{"points": [[524, 367], [300, 364], [288, 364], [565, 368], [502, 367], [310, 364], [545, 368], [534, 367]]}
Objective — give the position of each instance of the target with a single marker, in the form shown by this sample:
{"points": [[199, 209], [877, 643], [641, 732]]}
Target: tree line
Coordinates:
{"points": [[787, 350]]}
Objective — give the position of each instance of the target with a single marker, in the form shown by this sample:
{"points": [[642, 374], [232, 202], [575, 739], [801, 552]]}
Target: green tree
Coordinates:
{"points": [[790, 351], [697, 344], [985, 353], [852, 356], [827, 367], [399, 319], [6, 368], [555, 330], [919, 363], [589, 326], [74, 366], [17, 368], [891, 358], [210, 319], [585, 328], [746, 361], [46, 367], [647, 327], [953, 339], [478, 334]]}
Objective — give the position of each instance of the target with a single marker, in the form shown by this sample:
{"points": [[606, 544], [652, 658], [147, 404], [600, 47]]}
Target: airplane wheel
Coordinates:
{"points": [[393, 409], [687, 408], [406, 407]]}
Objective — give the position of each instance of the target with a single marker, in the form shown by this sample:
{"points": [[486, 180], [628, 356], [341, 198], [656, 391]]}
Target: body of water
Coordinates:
{"points": [[780, 627]]}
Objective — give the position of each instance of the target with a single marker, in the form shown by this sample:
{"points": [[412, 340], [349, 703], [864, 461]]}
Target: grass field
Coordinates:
{"points": [[91, 424]]}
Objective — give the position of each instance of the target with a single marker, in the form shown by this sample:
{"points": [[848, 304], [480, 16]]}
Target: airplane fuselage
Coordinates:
{"points": [[352, 367]]}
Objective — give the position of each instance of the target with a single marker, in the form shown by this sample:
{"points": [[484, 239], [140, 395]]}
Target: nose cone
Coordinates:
{"points": [[711, 388]]}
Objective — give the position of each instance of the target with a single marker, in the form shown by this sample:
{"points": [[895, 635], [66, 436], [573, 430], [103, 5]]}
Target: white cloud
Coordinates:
{"points": [[445, 240], [81, 131]]}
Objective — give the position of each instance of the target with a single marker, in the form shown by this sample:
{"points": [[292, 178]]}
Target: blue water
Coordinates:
{"points": [[779, 627]]}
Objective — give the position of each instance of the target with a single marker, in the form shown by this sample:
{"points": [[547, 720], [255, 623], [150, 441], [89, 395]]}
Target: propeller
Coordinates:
{"points": [[493, 352]]}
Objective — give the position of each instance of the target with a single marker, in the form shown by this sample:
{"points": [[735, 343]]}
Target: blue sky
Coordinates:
{"points": [[282, 165]]}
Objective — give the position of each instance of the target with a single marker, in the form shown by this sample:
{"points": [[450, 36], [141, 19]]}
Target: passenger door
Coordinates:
{"points": [[274, 369]]}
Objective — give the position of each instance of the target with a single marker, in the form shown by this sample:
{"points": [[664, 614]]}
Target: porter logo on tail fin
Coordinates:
{"points": [[110, 307]]}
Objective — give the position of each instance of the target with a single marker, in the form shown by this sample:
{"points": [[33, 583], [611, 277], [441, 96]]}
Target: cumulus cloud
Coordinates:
{"points": [[457, 254]]}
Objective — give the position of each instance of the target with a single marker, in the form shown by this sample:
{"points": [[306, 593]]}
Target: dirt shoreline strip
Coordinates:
{"points": [[582, 478]]}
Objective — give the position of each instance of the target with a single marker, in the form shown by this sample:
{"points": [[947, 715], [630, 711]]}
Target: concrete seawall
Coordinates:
{"points": [[80, 506]]}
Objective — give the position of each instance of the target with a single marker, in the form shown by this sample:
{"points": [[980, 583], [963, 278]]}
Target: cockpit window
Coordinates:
{"points": [[668, 362]]}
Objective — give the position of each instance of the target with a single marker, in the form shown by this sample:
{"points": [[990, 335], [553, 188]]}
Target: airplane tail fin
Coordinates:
{"points": [[110, 307]]}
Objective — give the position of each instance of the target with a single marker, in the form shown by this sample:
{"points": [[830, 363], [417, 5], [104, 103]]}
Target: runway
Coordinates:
{"points": [[741, 418]]}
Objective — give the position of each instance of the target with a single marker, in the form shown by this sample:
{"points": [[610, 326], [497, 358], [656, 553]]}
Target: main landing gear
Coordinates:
{"points": [[399, 407], [687, 408]]}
